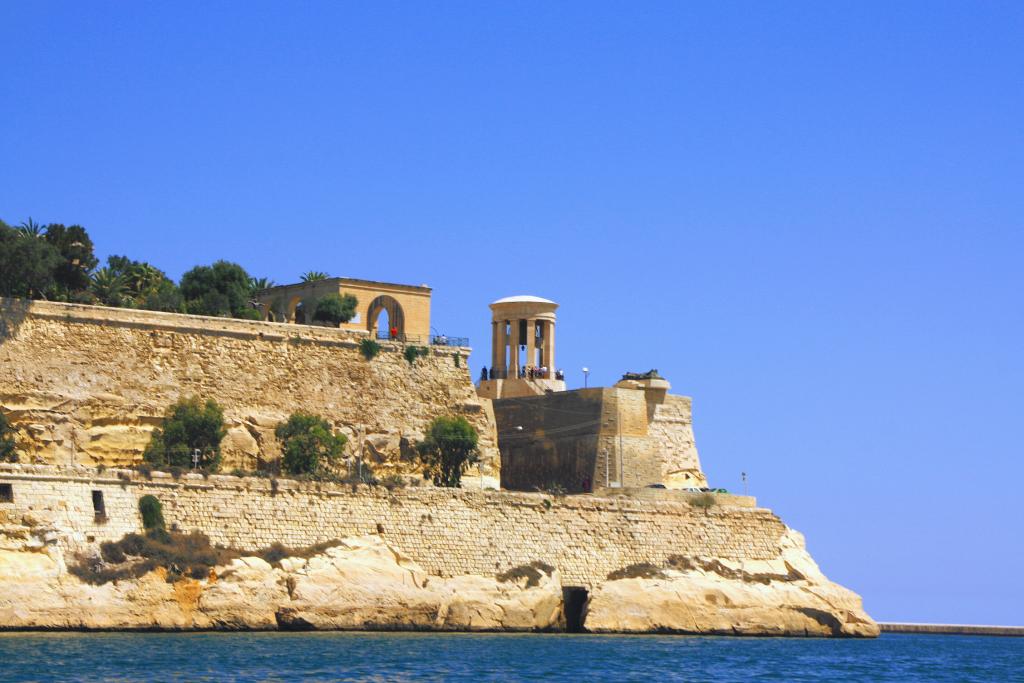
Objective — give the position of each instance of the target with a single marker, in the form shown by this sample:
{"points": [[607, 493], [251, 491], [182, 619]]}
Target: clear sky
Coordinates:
{"points": [[808, 216]]}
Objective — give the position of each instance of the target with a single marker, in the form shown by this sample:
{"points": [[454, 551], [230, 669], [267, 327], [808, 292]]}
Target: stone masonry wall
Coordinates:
{"points": [[447, 531], [87, 385]]}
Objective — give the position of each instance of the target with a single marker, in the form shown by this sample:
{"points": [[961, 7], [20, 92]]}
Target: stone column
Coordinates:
{"points": [[513, 346], [502, 344], [494, 344], [531, 341], [549, 346]]}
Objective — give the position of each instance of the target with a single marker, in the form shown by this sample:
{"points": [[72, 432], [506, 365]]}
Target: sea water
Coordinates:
{"points": [[487, 657]]}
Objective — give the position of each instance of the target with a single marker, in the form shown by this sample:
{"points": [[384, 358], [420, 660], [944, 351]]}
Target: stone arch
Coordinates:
{"points": [[396, 316], [297, 311]]}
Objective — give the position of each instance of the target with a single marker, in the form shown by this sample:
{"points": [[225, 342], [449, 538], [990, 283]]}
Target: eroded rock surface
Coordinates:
{"points": [[360, 584], [787, 596]]}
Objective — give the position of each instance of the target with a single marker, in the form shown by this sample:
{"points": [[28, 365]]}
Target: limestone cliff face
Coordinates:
{"points": [[360, 585], [785, 596], [87, 385], [364, 583]]}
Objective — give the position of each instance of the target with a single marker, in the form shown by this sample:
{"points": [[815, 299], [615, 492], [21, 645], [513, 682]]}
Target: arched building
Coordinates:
{"points": [[382, 306]]}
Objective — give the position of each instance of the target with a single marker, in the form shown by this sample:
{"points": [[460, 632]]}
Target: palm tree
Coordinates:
{"points": [[142, 278], [258, 284], [314, 275], [108, 287], [30, 228]]}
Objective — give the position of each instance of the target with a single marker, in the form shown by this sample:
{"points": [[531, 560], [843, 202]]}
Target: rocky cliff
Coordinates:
{"points": [[363, 583], [87, 385]]}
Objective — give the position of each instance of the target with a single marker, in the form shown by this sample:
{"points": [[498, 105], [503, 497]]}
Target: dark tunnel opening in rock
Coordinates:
{"points": [[574, 599]]}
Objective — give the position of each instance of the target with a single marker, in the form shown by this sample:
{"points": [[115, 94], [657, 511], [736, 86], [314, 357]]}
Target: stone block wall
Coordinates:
{"points": [[86, 385], [447, 531], [618, 436]]}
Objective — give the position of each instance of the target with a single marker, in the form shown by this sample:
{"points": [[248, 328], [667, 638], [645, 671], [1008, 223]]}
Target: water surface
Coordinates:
{"points": [[502, 657]]}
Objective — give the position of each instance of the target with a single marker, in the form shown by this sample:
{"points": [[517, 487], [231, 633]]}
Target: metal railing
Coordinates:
{"points": [[400, 337], [445, 340]]}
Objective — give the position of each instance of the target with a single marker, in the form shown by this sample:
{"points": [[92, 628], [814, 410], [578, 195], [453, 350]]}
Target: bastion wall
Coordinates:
{"points": [[87, 385], [447, 531], [586, 438]]}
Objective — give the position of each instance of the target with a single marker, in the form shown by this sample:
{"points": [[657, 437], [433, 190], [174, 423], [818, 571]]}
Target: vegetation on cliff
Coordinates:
{"points": [[8, 452], [308, 445], [449, 448], [57, 263], [190, 425], [179, 555]]}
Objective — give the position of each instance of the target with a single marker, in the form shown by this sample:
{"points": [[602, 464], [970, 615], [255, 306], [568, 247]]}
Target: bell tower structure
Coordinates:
{"points": [[522, 349]]}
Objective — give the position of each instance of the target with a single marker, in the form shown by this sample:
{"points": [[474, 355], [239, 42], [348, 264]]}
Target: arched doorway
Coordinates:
{"points": [[384, 315], [302, 317]]}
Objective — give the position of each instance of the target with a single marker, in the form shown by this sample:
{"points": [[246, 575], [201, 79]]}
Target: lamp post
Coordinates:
{"points": [[743, 475], [586, 375]]}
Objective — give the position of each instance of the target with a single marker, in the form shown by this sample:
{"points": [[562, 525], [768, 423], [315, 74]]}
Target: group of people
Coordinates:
{"points": [[525, 372]]}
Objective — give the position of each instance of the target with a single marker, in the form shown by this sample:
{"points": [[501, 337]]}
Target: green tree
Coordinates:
{"points": [[8, 452], [27, 265], [335, 309], [314, 276], [108, 287], [221, 289], [141, 280], [307, 444], [166, 297], [77, 258], [448, 449], [190, 424]]}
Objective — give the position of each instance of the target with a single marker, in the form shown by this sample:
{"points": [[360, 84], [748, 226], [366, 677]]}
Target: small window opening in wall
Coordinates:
{"points": [[6, 493], [98, 507]]}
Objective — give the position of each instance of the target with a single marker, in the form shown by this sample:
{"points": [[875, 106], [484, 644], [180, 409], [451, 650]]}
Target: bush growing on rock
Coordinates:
{"points": [[448, 449], [704, 501], [190, 425], [308, 445], [152, 513], [369, 348], [335, 309], [8, 452]]}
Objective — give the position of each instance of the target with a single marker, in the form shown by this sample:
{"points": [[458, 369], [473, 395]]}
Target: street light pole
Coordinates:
{"points": [[586, 375]]}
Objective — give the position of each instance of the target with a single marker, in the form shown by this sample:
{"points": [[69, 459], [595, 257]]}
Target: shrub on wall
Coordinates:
{"points": [[335, 309], [308, 445], [152, 513], [448, 449], [369, 348], [413, 352], [704, 501], [190, 424], [7, 444]]}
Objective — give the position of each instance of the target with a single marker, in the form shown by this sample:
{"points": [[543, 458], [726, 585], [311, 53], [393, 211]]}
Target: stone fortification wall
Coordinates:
{"points": [[616, 436], [87, 385], [447, 531]]}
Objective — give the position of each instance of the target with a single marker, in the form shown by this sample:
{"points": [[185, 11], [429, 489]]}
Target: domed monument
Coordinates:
{"points": [[522, 349]]}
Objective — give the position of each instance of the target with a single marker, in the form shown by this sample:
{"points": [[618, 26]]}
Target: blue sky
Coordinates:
{"points": [[808, 216]]}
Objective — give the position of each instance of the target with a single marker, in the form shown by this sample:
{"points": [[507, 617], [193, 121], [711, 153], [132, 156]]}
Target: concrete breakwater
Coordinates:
{"points": [[953, 629]]}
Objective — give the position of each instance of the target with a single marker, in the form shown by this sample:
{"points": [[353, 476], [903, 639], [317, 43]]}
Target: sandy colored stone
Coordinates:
{"points": [[788, 596], [361, 584], [88, 384]]}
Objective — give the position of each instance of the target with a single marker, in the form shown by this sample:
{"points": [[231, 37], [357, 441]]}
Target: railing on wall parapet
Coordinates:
{"points": [[445, 340], [435, 339]]}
